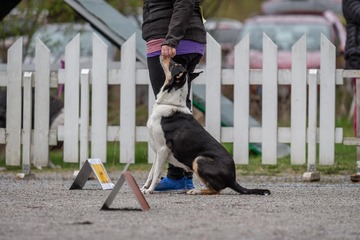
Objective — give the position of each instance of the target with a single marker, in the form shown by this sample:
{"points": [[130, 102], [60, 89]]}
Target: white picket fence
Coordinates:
{"points": [[304, 135]]}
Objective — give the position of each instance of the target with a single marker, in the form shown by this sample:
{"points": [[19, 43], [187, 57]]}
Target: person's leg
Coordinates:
{"points": [[156, 74]]}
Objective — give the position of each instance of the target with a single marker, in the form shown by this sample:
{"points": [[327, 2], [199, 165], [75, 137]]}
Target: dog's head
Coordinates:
{"points": [[175, 75]]}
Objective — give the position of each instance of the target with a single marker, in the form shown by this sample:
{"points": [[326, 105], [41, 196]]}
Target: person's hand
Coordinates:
{"points": [[167, 51]]}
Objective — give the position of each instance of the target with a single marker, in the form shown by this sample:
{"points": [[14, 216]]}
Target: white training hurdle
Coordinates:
{"points": [[80, 128]]}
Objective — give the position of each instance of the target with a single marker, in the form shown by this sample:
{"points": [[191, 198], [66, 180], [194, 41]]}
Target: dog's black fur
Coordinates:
{"points": [[188, 144]]}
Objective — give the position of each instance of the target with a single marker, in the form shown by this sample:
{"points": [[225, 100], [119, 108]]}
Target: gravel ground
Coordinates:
{"points": [[43, 208]]}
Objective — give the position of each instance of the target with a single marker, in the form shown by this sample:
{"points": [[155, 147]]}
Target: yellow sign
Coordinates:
{"points": [[100, 173]]}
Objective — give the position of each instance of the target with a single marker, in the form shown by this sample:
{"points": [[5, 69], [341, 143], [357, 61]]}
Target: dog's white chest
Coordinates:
{"points": [[157, 135]]}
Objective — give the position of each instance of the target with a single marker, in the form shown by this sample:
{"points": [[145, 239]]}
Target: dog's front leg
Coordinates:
{"points": [[149, 179], [157, 168]]}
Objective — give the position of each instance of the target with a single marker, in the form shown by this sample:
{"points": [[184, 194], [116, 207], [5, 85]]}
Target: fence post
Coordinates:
{"points": [[298, 101], [327, 102], [42, 105], [269, 102], [213, 88], [71, 103], [27, 119], [99, 101], [311, 175], [241, 102], [13, 104], [84, 116], [128, 101]]}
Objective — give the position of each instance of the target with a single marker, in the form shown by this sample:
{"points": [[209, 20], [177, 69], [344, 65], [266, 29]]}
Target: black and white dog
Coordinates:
{"points": [[178, 138]]}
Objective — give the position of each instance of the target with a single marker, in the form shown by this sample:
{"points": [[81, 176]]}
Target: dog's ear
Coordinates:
{"points": [[192, 76]]}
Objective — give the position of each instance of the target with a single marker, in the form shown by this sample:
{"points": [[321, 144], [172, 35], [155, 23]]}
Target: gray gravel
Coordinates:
{"points": [[44, 208]]}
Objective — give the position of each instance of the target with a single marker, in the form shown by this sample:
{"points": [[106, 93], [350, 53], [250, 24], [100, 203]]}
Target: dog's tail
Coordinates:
{"points": [[238, 188]]}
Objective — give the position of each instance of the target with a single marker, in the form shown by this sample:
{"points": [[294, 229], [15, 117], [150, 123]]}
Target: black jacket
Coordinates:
{"points": [[351, 11], [173, 20]]}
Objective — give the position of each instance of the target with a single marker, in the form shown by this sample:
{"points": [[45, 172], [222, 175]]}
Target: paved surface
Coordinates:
{"points": [[44, 208]]}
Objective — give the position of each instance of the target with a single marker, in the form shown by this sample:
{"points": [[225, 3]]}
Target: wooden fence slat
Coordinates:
{"points": [[213, 87], [71, 102], [128, 101], [227, 76], [42, 105], [327, 102], [227, 134], [27, 119], [13, 104], [241, 102], [84, 115], [99, 101], [298, 101], [269, 102], [312, 119]]}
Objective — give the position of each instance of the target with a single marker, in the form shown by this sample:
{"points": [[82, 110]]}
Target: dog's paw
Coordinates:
{"points": [[193, 192], [147, 191], [143, 189]]}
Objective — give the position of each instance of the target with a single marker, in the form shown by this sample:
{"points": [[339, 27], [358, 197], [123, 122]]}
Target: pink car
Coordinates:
{"points": [[285, 30]]}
